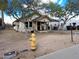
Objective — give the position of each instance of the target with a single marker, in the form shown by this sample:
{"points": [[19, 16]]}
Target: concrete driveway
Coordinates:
{"points": [[67, 53]]}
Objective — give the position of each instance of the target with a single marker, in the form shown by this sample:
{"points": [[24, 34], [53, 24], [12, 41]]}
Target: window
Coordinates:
{"points": [[30, 24], [26, 24]]}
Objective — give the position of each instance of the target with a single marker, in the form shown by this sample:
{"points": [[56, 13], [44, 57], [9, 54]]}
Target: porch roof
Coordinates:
{"points": [[53, 20]]}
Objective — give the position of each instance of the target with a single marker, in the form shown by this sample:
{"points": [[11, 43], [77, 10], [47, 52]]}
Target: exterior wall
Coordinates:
{"points": [[53, 24], [34, 26], [28, 28], [43, 26]]}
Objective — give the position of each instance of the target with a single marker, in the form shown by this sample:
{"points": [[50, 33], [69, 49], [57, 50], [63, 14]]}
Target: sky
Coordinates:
{"points": [[60, 2], [9, 20]]}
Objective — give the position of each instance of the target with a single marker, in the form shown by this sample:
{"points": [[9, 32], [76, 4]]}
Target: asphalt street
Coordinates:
{"points": [[67, 53]]}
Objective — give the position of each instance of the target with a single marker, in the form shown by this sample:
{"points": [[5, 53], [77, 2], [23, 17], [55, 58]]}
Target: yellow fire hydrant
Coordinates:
{"points": [[33, 41]]}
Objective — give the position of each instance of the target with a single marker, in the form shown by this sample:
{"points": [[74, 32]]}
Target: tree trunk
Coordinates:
{"points": [[2, 18]]}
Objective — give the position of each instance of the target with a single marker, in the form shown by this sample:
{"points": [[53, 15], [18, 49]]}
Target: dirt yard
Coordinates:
{"points": [[47, 42]]}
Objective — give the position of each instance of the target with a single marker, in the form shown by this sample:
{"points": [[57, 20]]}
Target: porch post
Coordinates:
{"points": [[36, 26], [40, 27], [48, 28], [28, 24]]}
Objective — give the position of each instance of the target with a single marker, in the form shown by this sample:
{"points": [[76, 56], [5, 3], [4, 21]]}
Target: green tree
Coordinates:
{"points": [[72, 7], [56, 10], [18, 5]]}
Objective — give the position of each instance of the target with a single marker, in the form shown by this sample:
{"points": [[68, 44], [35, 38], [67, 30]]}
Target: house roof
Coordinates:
{"points": [[42, 18], [48, 19], [16, 20]]}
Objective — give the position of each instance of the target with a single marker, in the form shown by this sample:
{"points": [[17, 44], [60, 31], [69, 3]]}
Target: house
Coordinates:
{"points": [[37, 23]]}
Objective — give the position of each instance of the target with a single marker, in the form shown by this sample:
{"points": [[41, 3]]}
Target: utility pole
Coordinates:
{"points": [[71, 32]]}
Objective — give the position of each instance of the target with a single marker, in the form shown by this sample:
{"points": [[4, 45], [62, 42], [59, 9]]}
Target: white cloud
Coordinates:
{"points": [[8, 19], [47, 1], [54, 1]]}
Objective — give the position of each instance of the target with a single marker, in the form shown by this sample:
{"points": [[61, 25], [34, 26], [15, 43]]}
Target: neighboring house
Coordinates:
{"points": [[54, 24], [72, 21]]}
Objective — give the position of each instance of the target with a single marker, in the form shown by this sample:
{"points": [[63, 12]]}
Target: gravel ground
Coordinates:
{"points": [[47, 42]]}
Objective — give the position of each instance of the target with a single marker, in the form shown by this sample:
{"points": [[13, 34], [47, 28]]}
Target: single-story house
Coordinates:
{"points": [[37, 23]]}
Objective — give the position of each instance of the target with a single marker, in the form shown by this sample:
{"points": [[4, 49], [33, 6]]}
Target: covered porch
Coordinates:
{"points": [[40, 24]]}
